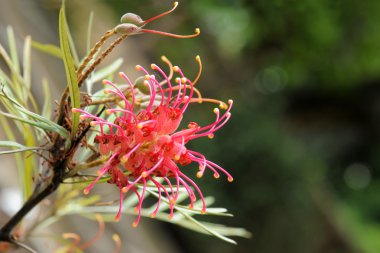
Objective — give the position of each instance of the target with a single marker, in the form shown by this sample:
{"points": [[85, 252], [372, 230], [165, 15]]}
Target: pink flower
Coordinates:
{"points": [[146, 145]]}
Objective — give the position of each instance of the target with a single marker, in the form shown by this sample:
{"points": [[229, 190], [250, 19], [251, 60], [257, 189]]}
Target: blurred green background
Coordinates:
{"points": [[303, 143]]}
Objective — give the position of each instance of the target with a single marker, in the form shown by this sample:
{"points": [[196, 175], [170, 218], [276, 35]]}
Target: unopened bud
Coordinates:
{"points": [[128, 28], [132, 18], [140, 84]]}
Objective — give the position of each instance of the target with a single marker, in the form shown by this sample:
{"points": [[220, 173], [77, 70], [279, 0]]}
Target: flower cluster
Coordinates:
{"points": [[145, 144]]}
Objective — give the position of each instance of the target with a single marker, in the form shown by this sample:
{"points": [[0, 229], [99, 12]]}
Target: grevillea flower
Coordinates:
{"points": [[147, 144]]}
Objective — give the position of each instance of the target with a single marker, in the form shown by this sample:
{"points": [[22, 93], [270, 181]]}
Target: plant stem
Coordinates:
{"points": [[6, 230]]}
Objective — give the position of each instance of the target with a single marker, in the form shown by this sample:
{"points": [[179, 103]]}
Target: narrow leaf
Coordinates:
{"points": [[71, 76], [20, 147], [47, 109], [50, 49], [89, 30], [106, 71], [27, 62], [41, 125]]}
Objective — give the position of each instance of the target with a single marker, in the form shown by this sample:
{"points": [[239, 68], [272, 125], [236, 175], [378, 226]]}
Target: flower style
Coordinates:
{"points": [[145, 145]]}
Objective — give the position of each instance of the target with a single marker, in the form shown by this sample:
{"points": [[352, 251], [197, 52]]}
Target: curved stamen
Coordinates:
{"points": [[125, 77], [198, 59], [116, 239], [170, 65], [200, 100], [133, 116], [197, 32], [177, 101], [189, 191], [160, 15], [154, 213], [121, 198], [98, 235], [178, 155], [160, 89], [139, 206], [119, 93], [227, 112], [210, 133], [169, 97], [198, 190]]}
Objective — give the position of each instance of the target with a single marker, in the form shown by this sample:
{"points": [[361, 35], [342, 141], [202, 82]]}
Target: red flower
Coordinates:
{"points": [[147, 144]]}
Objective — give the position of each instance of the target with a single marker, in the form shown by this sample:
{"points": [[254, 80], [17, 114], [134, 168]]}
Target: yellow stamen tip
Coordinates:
{"points": [[134, 224], [176, 157], [184, 79], [121, 74], [170, 216], [203, 211], [216, 110], [104, 81], [197, 58], [197, 31], [86, 191], [124, 189], [164, 58], [138, 67], [124, 159], [199, 174], [152, 215], [82, 117], [175, 68], [230, 101], [210, 136], [175, 4], [216, 175], [144, 174], [108, 111], [116, 237], [139, 126], [172, 201], [92, 123], [230, 179], [152, 66]]}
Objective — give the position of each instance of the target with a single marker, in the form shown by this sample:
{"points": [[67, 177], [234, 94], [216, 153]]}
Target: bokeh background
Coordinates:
{"points": [[303, 142]]}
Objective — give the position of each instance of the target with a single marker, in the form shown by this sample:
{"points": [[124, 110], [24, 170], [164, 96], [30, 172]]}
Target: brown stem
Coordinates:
{"points": [[100, 59], [88, 58]]}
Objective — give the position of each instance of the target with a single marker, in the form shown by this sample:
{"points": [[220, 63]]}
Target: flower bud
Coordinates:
{"points": [[127, 28], [140, 84], [132, 18]]}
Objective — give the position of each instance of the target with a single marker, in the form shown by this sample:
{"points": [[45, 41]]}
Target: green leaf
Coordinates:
{"points": [[89, 30], [47, 109], [68, 61], [106, 71], [40, 122], [50, 128], [17, 84], [50, 49], [27, 68], [20, 147]]}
